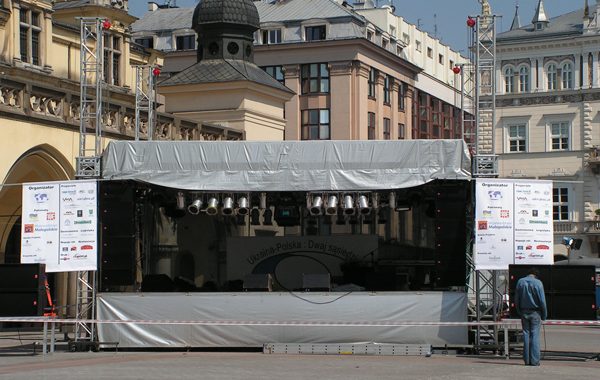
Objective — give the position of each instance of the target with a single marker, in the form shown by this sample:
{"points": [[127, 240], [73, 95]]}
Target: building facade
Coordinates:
{"points": [[358, 72], [40, 95], [548, 104]]}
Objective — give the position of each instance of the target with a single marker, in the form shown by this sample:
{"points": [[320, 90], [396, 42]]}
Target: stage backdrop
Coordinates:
{"points": [[513, 223], [276, 307], [287, 258], [59, 225]]}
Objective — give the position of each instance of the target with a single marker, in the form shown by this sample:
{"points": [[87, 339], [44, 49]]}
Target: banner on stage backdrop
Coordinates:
{"points": [[59, 225], [513, 223]]}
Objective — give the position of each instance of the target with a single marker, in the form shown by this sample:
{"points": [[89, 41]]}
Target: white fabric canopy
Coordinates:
{"points": [[287, 165]]}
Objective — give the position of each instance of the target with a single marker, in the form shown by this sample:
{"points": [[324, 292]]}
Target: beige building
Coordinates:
{"points": [[548, 108], [358, 72], [39, 101]]}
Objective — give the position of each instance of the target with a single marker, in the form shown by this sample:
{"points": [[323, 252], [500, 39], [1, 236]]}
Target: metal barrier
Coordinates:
{"points": [[504, 324]]}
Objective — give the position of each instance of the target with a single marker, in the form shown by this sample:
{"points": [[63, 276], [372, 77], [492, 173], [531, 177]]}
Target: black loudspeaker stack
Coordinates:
{"points": [[117, 220], [22, 290], [450, 236], [570, 290]]}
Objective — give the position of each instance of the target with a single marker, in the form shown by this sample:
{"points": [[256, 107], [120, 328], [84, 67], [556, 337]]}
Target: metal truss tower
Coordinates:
{"points": [[485, 300], [144, 99], [90, 150]]}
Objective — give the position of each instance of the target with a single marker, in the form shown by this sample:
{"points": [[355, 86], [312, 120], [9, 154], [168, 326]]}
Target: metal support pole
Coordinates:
{"points": [[45, 340], [506, 348]]}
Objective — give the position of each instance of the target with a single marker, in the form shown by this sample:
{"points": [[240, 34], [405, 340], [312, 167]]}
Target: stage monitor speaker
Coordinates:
{"points": [[22, 290], [258, 282], [316, 282], [573, 306], [574, 279], [450, 240], [515, 272]]}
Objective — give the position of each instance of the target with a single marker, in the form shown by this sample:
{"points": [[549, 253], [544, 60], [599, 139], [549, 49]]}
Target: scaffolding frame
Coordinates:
{"points": [[89, 160], [145, 95]]}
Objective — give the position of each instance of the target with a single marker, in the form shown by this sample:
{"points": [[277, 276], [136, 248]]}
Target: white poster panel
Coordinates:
{"points": [[78, 226], [59, 225], [494, 246], [40, 224], [287, 258], [534, 225], [513, 223]]}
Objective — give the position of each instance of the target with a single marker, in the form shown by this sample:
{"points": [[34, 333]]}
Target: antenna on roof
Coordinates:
{"points": [[435, 25]]}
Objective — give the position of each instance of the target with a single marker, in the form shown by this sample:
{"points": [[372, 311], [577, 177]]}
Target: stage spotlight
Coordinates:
{"points": [[363, 205], [255, 217], [227, 206], [268, 217], [332, 205], [392, 201], [180, 201], [243, 206], [195, 207], [212, 206], [348, 205], [263, 201], [317, 205]]}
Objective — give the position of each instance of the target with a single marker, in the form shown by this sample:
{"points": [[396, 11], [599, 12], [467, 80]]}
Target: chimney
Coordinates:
{"points": [[152, 6]]}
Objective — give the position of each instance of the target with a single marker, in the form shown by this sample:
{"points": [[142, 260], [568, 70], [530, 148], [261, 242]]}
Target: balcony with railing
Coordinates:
{"points": [[591, 227], [593, 159]]}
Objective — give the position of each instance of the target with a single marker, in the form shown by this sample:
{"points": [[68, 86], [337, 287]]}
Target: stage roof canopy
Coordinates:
{"points": [[239, 166]]}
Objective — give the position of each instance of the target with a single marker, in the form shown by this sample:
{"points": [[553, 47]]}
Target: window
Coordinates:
{"points": [[551, 75], [436, 117], [387, 84], [524, 79], [441, 59], [315, 78], [567, 75], [509, 74], [314, 33], [399, 50], [371, 126], [401, 131], [418, 45], [401, 96], [451, 63], [406, 38], [112, 57], [271, 36], [385, 44], [29, 34], [185, 42], [146, 42], [372, 82], [276, 72], [517, 139], [560, 203], [387, 133], [559, 132], [369, 35], [315, 124], [429, 52]]}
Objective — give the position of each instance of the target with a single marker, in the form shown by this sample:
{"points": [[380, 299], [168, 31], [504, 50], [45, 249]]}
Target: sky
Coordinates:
{"points": [[449, 15]]}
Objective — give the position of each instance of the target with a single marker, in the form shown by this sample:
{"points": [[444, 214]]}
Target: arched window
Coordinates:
{"points": [[567, 75], [524, 79], [509, 75], [551, 73]]}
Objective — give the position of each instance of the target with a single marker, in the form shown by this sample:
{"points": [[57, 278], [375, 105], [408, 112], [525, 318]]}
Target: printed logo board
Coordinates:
{"points": [[59, 225], [513, 223]]}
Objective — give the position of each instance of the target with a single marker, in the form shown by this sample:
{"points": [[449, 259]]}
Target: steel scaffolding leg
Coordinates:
{"points": [[86, 305], [144, 99]]}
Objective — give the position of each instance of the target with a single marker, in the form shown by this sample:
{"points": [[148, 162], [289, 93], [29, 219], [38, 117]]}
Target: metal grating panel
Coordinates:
{"points": [[347, 349]]}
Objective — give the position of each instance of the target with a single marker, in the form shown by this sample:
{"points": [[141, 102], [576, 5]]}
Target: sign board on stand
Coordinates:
{"points": [[513, 223], [59, 225]]}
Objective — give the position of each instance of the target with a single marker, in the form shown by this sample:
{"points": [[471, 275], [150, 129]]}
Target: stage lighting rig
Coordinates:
{"points": [[316, 207], [195, 206], [227, 208], [243, 206], [348, 205], [212, 207], [332, 205], [363, 205]]}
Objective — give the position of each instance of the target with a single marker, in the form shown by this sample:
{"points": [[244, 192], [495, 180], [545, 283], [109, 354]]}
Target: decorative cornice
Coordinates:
{"points": [[4, 16]]}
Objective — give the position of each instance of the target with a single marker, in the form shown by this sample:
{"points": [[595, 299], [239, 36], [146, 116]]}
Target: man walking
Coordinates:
{"points": [[530, 301]]}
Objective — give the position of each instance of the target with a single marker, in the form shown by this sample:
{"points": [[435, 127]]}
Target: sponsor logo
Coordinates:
{"points": [[538, 222], [41, 197], [534, 212], [519, 247], [51, 216], [91, 191], [65, 249], [522, 199], [522, 221], [73, 248], [523, 212], [487, 213], [79, 213], [33, 217], [90, 212], [546, 212], [80, 256], [495, 195], [67, 222], [69, 213], [542, 247], [69, 192], [482, 225], [86, 199], [28, 228], [86, 247], [528, 247], [83, 222], [67, 199], [504, 214]]}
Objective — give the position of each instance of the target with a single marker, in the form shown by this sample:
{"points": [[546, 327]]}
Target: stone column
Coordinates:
{"points": [[577, 72], [340, 115], [595, 82], [361, 77], [46, 41], [293, 121], [16, 26]]}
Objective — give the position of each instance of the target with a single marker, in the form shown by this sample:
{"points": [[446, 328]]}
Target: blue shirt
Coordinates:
{"points": [[529, 296]]}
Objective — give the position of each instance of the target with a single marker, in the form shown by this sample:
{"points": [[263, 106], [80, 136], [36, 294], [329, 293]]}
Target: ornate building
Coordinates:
{"points": [[548, 106], [40, 94]]}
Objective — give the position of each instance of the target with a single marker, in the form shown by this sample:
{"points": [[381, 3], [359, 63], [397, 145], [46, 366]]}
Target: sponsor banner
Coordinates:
{"points": [[513, 223], [287, 258], [60, 225]]}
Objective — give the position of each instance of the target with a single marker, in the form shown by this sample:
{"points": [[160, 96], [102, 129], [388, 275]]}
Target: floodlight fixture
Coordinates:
{"points": [[392, 201], [332, 205], [195, 206], [316, 207], [180, 200], [363, 205], [243, 206], [263, 201], [348, 205], [212, 206], [227, 206]]}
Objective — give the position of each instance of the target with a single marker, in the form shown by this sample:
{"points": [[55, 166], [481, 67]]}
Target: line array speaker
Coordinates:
{"points": [[22, 291]]}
